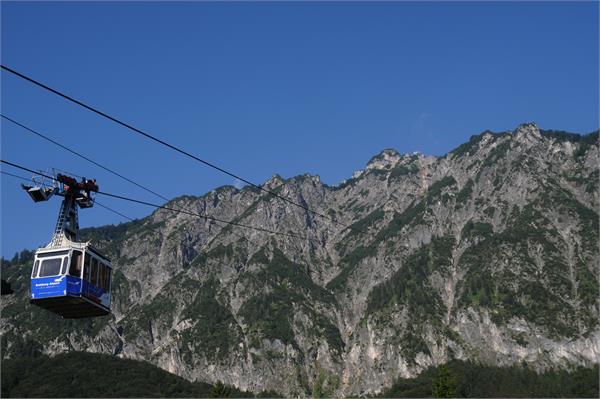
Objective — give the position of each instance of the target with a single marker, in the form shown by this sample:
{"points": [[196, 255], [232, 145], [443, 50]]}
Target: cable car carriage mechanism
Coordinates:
{"points": [[69, 277]]}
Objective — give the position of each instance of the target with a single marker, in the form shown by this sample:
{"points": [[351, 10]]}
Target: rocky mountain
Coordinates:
{"points": [[488, 254]]}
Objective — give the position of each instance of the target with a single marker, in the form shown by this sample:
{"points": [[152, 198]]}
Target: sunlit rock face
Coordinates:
{"points": [[489, 253]]}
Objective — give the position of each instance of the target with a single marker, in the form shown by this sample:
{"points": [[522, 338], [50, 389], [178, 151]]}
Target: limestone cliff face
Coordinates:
{"points": [[488, 253]]}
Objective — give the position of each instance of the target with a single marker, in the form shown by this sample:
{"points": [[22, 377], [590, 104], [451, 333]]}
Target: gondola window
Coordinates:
{"points": [[64, 266], [50, 267], [75, 269], [36, 266]]}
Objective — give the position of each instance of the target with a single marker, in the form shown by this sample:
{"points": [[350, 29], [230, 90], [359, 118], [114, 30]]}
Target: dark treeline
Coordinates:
{"points": [[80, 374], [470, 380], [84, 375]]}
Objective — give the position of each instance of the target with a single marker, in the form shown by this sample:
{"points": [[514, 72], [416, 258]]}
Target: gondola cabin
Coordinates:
{"points": [[73, 281]]}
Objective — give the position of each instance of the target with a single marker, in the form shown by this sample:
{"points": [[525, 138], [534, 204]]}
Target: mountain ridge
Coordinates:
{"points": [[494, 242]]}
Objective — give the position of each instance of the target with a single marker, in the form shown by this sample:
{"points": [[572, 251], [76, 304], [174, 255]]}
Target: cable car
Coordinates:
{"points": [[72, 281], [70, 278]]}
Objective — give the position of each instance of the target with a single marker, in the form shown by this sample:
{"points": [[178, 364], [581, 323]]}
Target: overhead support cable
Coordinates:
{"points": [[37, 133], [113, 211], [72, 151], [13, 175], [206, 217], [199, 215], [174, 148]]}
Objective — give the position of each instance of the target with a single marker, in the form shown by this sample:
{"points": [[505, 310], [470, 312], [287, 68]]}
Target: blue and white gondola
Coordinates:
{"points": [[73, 281]]}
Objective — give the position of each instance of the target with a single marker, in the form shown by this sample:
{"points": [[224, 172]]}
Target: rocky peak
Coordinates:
{"points": [[273, 182], [307, 177], [386, 159], [527, 132]]}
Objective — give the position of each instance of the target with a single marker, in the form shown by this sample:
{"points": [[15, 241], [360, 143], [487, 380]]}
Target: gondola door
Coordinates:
{"points": [[87, 272]]}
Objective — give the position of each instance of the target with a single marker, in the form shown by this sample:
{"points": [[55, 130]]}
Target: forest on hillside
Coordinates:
{"points": [[88, 375], [471, 380], [84, 375]]}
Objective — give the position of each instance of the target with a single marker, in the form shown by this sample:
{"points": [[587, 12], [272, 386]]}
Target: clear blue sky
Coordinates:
{"points": [[288, 88]]}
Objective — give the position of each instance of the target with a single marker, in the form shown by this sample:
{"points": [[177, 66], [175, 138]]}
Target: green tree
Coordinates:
{"points": [[219, 390], [444, 386]]}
